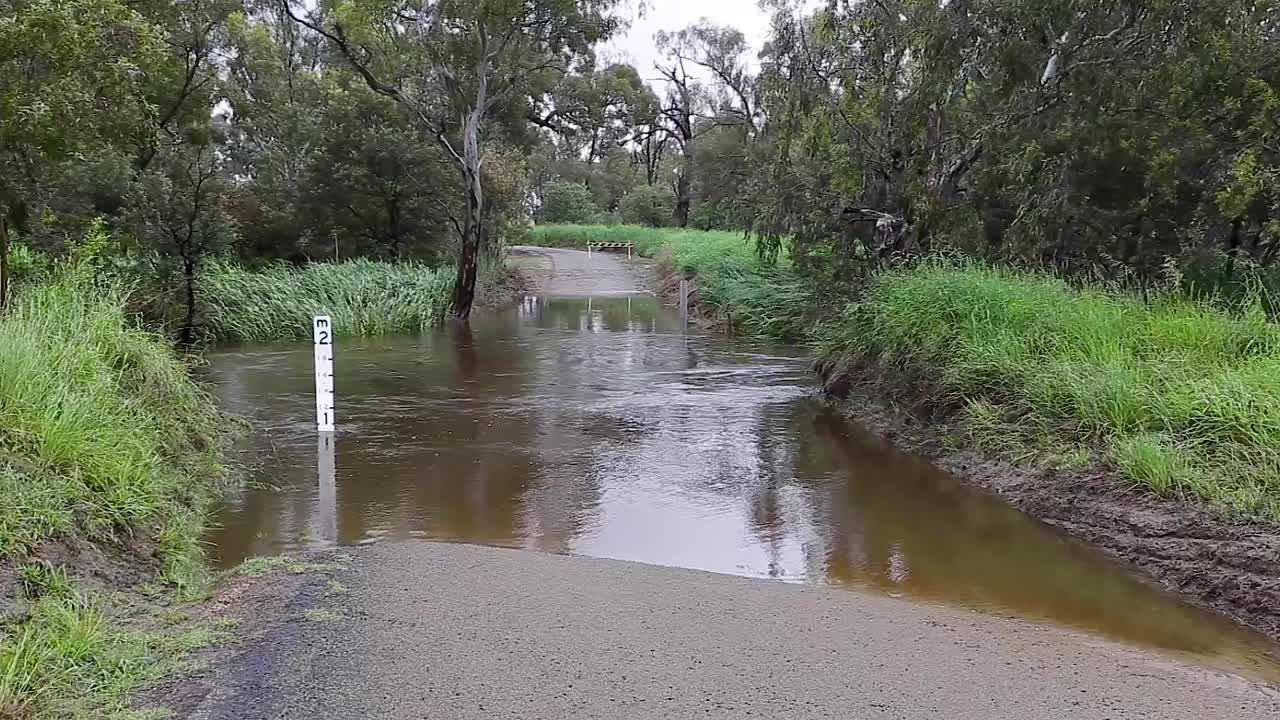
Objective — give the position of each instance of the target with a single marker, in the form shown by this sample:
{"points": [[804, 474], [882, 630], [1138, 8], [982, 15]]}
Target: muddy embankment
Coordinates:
{"points": [[1226, 565]]}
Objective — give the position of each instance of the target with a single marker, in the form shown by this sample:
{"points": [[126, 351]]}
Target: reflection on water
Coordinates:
{"points": [[594, 427]]}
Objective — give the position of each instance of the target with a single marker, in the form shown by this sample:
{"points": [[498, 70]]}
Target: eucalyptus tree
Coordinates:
{"points": [[593, 118], [458, 68], [185, 86], [684, 101]]}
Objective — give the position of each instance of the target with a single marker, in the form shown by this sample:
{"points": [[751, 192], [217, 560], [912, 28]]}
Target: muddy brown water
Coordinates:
{"points": [[594, 427]]}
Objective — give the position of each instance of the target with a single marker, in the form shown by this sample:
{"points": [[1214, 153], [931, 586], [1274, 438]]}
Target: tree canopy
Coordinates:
{"points": [[1138, 140]]}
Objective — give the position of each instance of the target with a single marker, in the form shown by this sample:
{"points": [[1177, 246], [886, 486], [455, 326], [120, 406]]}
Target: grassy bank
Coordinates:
{"points": [[730, 281], [1178, 397], [105, 442]]}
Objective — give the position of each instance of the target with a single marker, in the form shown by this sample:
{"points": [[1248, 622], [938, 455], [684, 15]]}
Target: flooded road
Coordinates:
{"points": [[594, 427]]}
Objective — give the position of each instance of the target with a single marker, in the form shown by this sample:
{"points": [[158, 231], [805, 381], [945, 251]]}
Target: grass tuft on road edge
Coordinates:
{"points": [[71, 658]]}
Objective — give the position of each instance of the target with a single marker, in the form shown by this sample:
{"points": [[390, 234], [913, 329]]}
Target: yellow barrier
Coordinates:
{"points": [[609, 246]]}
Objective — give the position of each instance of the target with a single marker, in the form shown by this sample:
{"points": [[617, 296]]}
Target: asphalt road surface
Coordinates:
{"points": [[438, 631], [576, 273]]}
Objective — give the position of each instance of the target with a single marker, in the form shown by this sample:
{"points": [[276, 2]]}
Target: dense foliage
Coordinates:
{"points": [[1139, 141], [564, 202], [277, 130], [1135, 140]]}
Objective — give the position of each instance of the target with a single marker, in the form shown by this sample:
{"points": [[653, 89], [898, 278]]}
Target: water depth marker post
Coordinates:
{"points": [[322, 329], [684, 305]]}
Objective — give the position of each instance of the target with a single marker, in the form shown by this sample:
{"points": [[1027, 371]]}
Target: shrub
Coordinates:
{"points": [[647, 205], [26, 265], [710, 216], [570, 203]]}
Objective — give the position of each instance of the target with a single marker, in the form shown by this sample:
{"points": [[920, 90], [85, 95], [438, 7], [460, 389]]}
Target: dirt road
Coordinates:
{"points": [[554, 271], [451, 631]]}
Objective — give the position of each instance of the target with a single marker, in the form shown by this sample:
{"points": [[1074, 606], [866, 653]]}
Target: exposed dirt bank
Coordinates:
{"points": [[1227, 565], [93, 566]]}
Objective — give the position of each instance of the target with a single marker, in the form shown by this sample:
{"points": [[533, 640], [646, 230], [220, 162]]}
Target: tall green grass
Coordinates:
{"points": [[362, 296], [104, 437], [748, 293], [102, 431], [1180, 397]]}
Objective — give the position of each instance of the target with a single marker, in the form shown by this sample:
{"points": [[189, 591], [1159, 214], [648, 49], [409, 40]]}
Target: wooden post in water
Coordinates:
{"points": [[322, 329], [684, 305]]}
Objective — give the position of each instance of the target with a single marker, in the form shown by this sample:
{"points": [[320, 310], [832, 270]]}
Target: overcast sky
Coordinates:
{"points": [[637, 47]]}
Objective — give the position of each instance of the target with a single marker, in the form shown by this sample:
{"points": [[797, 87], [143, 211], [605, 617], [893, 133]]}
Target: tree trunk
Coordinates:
{"points": [[1233, 249], [189, 276], [680, 215], [4, 259], [464, 287]]}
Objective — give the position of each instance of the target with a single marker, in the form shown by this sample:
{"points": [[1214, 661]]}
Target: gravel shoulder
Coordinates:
{"points": [[452, 631]]}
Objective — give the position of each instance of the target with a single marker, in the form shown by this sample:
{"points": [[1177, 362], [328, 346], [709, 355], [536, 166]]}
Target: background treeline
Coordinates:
{"points": [[1135, 140], [1138, 141], [251, 129]]}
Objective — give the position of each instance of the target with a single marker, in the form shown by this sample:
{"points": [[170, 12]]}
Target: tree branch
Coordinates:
{"points": [[339, 39]]}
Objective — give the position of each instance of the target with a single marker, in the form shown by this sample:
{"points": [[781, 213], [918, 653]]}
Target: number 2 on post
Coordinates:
{"points": [[322, 331]]}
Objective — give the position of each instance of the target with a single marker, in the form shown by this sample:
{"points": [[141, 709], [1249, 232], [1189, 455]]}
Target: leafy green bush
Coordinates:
{"points": [[647, 205], [362, 296], [710, 216], [27, 265], [1182, 398], [570, 203]]}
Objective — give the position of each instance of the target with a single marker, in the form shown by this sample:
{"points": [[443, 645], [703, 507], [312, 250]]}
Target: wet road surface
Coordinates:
{"points": [[559, 272], [429, 630], [591, 426]]}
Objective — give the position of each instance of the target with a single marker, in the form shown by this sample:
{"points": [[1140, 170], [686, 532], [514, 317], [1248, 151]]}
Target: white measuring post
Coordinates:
{"points": [[322, 330]]}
